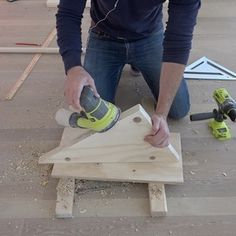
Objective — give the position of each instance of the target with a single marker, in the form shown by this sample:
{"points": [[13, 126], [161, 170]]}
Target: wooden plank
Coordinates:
{"points": [[29, 50], [157, 199], [123, 143], [144, 172], [65, 194], [125, 172], [65, 198], [32, 50], [30, 67]]}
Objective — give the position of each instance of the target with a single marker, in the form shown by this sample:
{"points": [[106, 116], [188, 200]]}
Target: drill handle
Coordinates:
{"points": [[202, 116]]}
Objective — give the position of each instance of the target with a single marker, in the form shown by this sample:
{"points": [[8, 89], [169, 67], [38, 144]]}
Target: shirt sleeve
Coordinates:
{"points": [[179, 31], [68, 23]]}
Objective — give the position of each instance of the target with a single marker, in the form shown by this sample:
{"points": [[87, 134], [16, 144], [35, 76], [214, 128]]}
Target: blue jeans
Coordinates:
{"points": [[105, 58]]}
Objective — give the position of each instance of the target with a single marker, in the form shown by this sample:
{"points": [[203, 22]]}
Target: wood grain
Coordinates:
{"points": [[125, 172], [30, 67], [65, 198], [44, 50], [135, 172], [123, 143]]}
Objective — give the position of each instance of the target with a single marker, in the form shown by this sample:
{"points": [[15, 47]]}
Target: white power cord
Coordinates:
{"points": [[108, 13]]}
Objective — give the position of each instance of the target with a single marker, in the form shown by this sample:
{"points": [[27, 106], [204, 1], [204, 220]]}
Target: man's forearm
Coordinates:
{"points": [[171, 76], [68, 22]]}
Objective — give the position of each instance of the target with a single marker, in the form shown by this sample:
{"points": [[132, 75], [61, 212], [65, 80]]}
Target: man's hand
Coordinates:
{"points": [[171, 76], [77, 78], [160, 134]]}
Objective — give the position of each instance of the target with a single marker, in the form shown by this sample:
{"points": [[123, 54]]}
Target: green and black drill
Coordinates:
{"points": [[98, 115], [226, 107]]}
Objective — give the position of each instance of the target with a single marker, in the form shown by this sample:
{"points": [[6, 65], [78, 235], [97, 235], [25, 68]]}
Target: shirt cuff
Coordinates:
{"points": [[71, 59], [179, 58]]}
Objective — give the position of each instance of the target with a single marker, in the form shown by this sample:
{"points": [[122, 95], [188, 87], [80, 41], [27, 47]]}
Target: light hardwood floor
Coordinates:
{"points": [[203, 206]]}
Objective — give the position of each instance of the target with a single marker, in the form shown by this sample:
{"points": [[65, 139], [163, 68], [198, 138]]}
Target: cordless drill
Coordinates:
{"points": [[226, 107], [98, 115]]}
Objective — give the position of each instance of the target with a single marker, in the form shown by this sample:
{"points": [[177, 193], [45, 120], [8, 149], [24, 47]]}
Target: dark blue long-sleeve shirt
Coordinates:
{"points": [[132, 19]]}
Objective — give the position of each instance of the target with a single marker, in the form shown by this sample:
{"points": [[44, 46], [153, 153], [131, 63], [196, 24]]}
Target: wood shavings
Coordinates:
{"points": [[192, 172], [21, 169], [187, 153], [156, 192], [65, 187], [83, 211], [103, 193], [44, 183]]}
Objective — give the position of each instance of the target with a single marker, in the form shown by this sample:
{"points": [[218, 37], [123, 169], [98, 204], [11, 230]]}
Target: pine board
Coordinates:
{"points": [[14, 50], [157, 199], [65, 198], [123, 143]]}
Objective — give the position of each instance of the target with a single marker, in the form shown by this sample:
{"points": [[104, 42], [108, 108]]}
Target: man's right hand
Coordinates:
{"points": [[77, 77]]}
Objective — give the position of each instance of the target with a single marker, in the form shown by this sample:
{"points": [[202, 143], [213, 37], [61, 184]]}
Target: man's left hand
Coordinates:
{"points": [[160, 134]]}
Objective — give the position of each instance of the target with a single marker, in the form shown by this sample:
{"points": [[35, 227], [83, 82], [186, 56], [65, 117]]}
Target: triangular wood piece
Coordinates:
{"points": [[123, 143]]}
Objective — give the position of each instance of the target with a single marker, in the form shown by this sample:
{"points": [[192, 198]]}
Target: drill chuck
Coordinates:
{"points": [[232, 115], [227, 105], [229, 108]]}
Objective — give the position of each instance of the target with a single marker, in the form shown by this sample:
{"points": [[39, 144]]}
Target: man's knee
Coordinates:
{"points": [[180, 112]]}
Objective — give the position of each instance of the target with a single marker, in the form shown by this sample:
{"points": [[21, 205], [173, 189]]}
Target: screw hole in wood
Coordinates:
{"points": [[152, 157], [137, 119]]}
